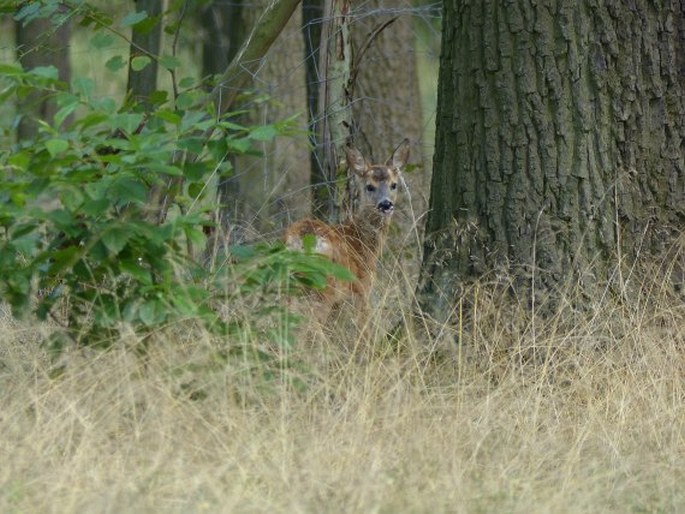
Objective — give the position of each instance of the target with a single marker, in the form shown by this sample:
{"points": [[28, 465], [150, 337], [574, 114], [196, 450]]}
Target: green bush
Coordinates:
{"points": [[79, 228]]}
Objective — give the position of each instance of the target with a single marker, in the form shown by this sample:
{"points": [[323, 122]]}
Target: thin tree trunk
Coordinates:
{"points": [[39, 43], [142, 83], [336, 110], [312, 22], [224, 32]]}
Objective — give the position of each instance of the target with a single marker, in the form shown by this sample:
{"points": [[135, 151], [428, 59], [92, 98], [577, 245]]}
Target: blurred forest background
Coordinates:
{"points": [[394, 89], [139, 128]]}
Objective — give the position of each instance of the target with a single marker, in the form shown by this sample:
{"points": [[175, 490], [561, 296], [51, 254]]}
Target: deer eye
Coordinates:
{"points": [[370, 188], [393, 186]]}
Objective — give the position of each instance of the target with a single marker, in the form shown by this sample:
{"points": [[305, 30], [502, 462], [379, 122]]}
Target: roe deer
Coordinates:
{"points": [[356, 245]]}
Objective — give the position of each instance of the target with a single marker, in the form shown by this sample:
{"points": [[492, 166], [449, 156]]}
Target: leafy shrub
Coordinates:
{"points": [[79, 226]]}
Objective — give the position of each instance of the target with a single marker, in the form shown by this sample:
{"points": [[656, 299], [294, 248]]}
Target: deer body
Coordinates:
{"points": [[357, 244]]}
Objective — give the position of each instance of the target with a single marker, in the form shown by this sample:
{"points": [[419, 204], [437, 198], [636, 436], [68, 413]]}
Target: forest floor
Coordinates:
{"points": [[582, 413]]}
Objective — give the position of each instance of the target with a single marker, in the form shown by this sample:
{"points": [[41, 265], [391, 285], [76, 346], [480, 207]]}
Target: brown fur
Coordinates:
{"points": [[357, 244]]}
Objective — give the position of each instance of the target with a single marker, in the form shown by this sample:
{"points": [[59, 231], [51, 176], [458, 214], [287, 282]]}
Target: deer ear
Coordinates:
{"points": [[400, 156], [355, 160]]}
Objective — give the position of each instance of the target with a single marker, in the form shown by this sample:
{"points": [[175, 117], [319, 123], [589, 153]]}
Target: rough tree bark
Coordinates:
{"points": [[559, 145], [335, 126]]}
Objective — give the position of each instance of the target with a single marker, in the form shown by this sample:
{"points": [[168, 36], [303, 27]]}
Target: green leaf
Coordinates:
{"points": [[28, 11], [64, 113], [191, 144], [139, 62], [115, 63], [26, 245], [217, 148], [10, 70], [96, 207], [128, 189], [128, 122], [107, 105], [147, 25], [167, 169], [132, 18], [62, 260], [168, 116], [23, 229], [186, 82], [170, 62], [184, 305], [159, 97], [56, 146], [185, 100], [243, 252], [83, 86], [102, 40], [72, 198], [115, 239], [107, 313], [195, 234], [64, 221], [48, 72], [241, 145], [264, 133], [229, 125], [20, 160], [192, 119], [152, 312], [136, 270]]}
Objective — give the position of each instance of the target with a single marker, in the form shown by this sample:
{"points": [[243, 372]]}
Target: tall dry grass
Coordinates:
{"points": [[576, 412]]}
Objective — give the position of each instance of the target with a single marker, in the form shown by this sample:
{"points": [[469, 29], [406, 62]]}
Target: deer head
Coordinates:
{"points": [[380, 182]]}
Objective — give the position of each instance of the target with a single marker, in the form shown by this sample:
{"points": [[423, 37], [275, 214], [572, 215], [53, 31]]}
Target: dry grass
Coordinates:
{"points": [[594, 421]]}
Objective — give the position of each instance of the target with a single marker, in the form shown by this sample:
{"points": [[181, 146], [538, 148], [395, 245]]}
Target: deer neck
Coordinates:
{"points": [[370, 227]]}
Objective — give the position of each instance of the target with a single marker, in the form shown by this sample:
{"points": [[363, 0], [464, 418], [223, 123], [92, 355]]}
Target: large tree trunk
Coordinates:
{"points": [[39, 43], [559, 145]]}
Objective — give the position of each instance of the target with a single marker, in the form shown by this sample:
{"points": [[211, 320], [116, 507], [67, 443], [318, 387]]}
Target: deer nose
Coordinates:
{"points": [[385, 206]]}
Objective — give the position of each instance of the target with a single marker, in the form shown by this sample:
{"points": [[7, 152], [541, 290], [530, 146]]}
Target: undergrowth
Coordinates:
{"points": [[581, 412]]}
